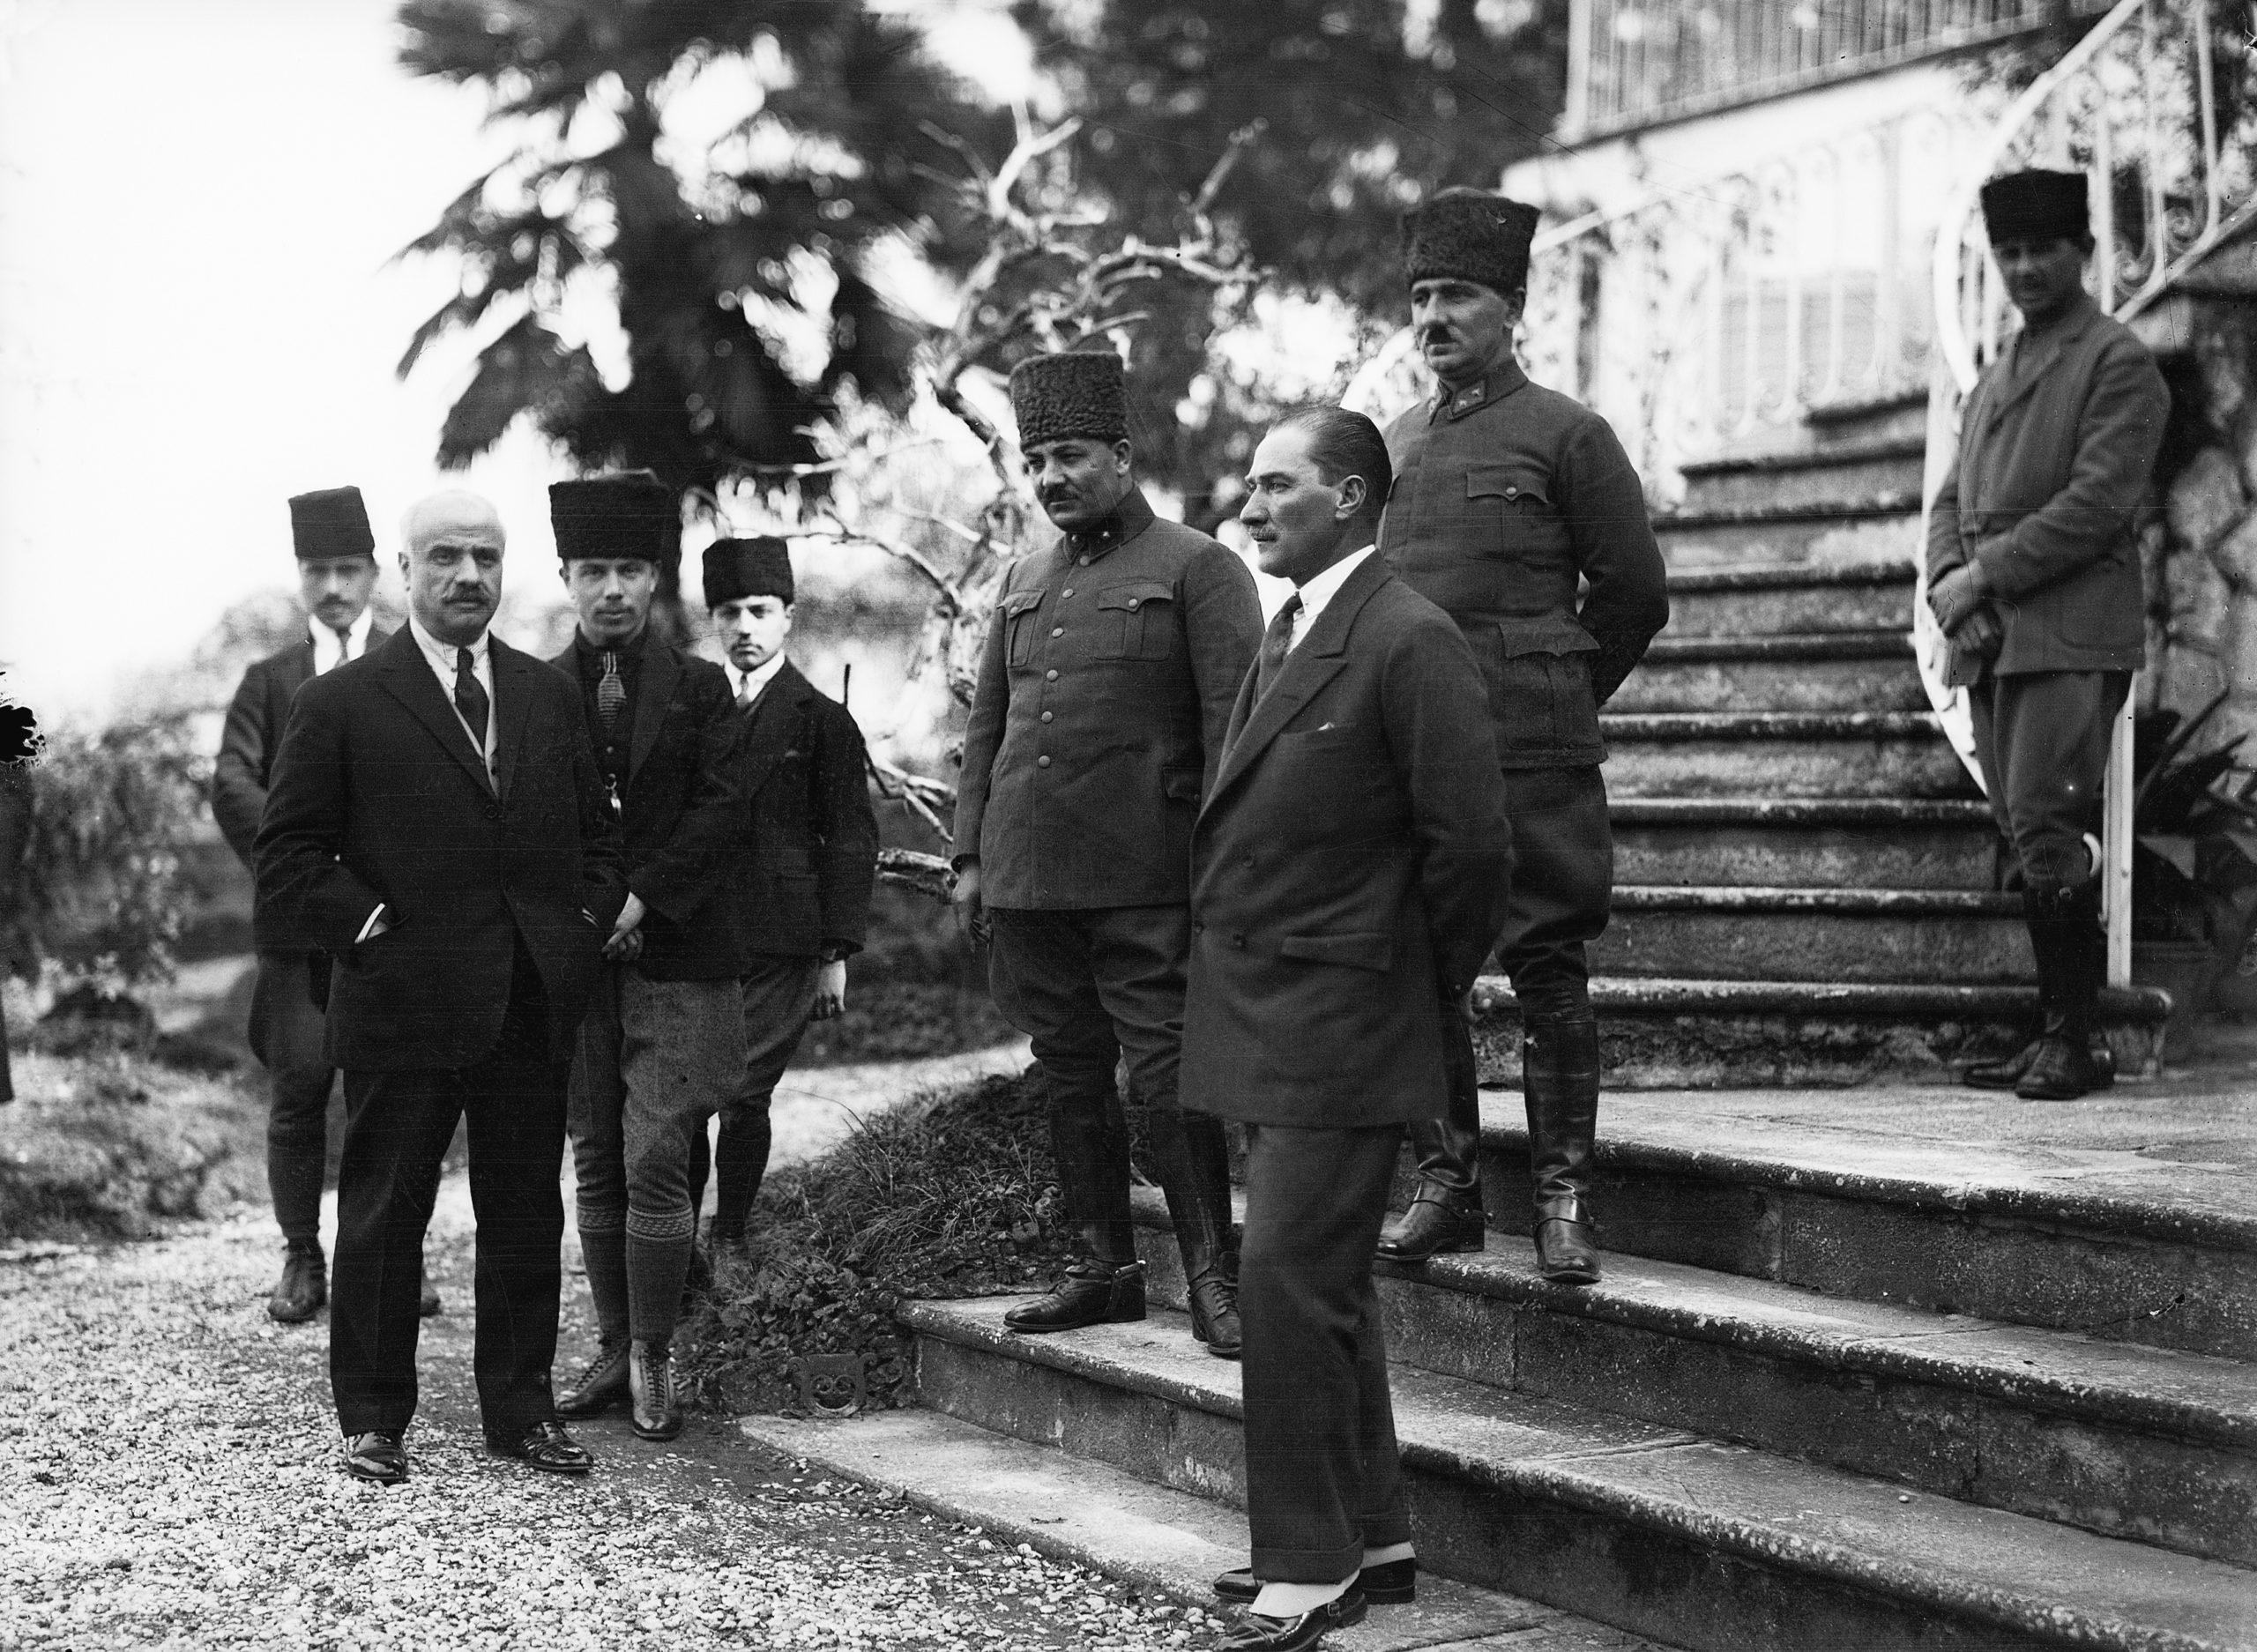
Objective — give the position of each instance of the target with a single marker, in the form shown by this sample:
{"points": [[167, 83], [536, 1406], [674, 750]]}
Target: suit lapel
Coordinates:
{"points": [[407, 676], [512, 707], [652, 695], [2049, 352], [774, 716]]}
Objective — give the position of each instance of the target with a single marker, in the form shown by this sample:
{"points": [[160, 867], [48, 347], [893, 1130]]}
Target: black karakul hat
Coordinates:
{"points": [[631, 514], [2037, 205], [1078, 393], [1469, 235], [737, 568], [330, 522]]}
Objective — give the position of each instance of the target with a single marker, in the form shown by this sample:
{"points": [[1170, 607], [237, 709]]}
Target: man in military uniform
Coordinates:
{"points": [[2034, 578], [1105, 687], [1505, 496], [337, 575]]}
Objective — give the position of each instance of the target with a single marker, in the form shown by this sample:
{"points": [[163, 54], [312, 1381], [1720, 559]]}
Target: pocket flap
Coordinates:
{"points": [[1134, 593], [1372, 951], [1018, 602], [1552, 635], [1506, 479]]}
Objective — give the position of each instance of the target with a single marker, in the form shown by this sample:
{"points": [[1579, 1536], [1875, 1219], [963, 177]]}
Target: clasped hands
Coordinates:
{"points": [[1962, 613]]}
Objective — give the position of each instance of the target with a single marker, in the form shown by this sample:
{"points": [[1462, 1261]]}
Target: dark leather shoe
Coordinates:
{"points": [[2003, 1073], [1565, 1254], [649, 1379], [303, 1287], [2062, 1070], [376, 1457], [545, 1447], [1214, 1312], [1395, 1583], [602, 1383], [1435, 1222], [1253, 1632], [428, 1304], [1091, 1293]]}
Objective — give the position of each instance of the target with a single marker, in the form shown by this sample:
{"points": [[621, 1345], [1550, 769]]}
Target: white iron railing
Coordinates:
{"points": [[2133, 105]]}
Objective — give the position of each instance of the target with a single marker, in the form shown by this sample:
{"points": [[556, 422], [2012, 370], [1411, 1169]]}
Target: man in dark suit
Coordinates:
{"points": [[438, 826], [660, 1046], [2034, 578], [1350, 871], [803, 888], [1105, 687], [337, 575]]}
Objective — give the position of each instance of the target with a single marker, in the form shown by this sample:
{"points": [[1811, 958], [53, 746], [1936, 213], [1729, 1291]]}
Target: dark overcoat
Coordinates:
{"points": [[253, 733], [804, 890], [2056, 449], [378, 797], [1350, 868]]}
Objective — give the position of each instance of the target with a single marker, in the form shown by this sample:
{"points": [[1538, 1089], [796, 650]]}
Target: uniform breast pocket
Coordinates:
{"points": [[1019, 618], [1135, 619], [1510, 494]]}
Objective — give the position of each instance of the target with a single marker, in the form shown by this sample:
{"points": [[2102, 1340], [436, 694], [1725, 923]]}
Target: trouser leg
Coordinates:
{"points": [[777, 996], [287, 1033], [397, 1127], [596, 1111]]}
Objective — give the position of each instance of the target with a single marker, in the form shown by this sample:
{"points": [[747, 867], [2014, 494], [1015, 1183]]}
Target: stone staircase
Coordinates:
{"points": [[1806, 876]]}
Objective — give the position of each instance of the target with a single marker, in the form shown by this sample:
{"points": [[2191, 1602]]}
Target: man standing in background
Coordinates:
{"points": [[336, 576]]}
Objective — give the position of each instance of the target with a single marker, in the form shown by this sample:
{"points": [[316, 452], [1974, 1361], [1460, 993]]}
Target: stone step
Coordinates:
{"points": [[1810, 477], [1697, 1034], [1842, 843], [2144, 1444], [1656, 1531], [2027, 1236], [1781, 754], [1170, 1541], [1763, 599], [1877, 530], [1725, 933], [1819, 671], [1902, 417]]}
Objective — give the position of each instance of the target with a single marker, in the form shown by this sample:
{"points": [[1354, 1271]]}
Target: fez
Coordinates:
{"points": [[330, 522], [2036, 206], [1080, 393], [1469, 235], [632, 514], [737, 568]]}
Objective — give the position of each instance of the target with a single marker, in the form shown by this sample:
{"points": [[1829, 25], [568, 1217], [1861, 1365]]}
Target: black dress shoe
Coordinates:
{"points": [[1564, 1252], [2008, 1071], [376, 1457], [1254, 1633], [1214, 1312], [656, 1407], [545, 1447], [2062, 1070], [1392, 1583], [1431, 1227], [427, 1305], [602, 1383], [1092, 1292], [303, 1287]]}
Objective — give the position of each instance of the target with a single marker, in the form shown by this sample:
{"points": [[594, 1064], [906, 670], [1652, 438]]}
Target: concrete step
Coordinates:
{"points": [[1654, 1529], [1878, 530], [2096, 1242], [1705, 1033], [1725, 933], [1901, 417], [1810, 477], [1836, 843], [1781, 754], [1765, 598], [1171, 1542], [1811, 671], [2155, 1447]]}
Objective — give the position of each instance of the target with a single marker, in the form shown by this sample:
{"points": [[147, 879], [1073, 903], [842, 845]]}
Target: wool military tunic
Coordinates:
{"points": [[1505, 494], [1106, 687]]}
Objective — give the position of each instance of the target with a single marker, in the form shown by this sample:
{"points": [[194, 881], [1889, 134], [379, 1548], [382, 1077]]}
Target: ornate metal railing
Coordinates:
{"points": [[2136, 105]]}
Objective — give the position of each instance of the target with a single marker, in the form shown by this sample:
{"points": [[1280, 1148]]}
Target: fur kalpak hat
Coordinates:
{"points": [[2036, 206], [632, 514], [1080, 393], [1469, 235], [330, 522], [737, 568]]}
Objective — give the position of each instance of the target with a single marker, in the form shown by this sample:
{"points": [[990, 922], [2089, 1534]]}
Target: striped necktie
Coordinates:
{"points": [[1276, 641], [611, 694]]}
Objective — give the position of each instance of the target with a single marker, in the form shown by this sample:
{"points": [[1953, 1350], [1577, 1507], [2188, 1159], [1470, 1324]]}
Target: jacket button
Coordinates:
{"points": [[1069, 591], [1051, 675], [1249, 862], [1239, 942], [1046, 717], [1042, 763], [1198, 928], [1133, 601], [493, 811], [1511, 492], [1081, 561], [1057, 630]]}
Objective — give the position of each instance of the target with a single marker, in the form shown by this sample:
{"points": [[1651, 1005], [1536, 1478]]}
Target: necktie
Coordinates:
{"points": [[611, 694], [344, 643], [470, 699], [1275, 643], [747, 691]]}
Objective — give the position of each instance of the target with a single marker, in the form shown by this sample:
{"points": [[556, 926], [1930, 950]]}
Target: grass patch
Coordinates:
{"points": [[904, 1021]]}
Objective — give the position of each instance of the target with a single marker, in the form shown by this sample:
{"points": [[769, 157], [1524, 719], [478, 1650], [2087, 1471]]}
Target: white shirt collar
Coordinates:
{"points": [[330, 651], [756, 680], [442, 655], [1320, 590]]}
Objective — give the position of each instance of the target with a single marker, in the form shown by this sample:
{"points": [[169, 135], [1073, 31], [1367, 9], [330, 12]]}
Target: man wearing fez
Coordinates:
{"points": [[337, 575], [1349, 872], [803, 885], [1505, 496], [660, 1045], [1105, 688], [438, 826], [2034, 578]]}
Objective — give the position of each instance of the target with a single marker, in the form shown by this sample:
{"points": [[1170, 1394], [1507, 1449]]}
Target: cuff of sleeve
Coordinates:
{"points": [[368, 928]]}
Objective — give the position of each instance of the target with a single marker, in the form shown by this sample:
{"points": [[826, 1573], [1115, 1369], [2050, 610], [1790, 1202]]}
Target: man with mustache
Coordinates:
{"points": [[438, 826], [1105, 688], [2034, 578], [1505, 496], [336, 576]]}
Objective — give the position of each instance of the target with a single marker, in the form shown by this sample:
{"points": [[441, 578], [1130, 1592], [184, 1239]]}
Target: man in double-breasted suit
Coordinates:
{"points": [[438, 825], [336, 576], [1351, 870], [2033, 568], [660, 1046]]}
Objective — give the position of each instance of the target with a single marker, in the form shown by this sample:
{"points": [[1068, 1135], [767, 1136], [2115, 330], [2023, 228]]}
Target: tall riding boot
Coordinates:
{"points": [[1191, 1156], [2071, 948], [1088, 1138], [1560, 1079], [1445, 1214]]}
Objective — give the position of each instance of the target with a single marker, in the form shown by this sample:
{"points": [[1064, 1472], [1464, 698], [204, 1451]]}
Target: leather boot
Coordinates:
{"points": [[655, 1407], [304, 1285], [1446, 1213], [2071, 949], [1191, 1156], [1100, 1288], [1440, 1219], [1088, 1138], [602, 1383], [1560, 1081]]}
